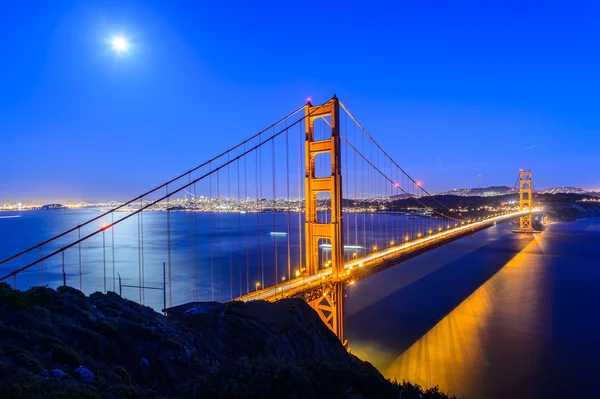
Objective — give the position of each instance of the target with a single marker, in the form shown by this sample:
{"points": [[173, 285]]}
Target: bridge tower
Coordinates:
{"points": [[525, 201], [329, 305]]}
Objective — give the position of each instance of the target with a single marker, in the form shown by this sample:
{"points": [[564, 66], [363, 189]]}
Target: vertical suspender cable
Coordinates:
{"points": [[288, 200], [212, 209], [189, 209], [219, 273], [142, 245], [104, 258], [347, 235], [169, 247], [260, 188], [274, 208], [355, 198], [80, 271], [300, 152], [196, 271], [229, 228], [112, 230], [239, 229], [246, 219], [139, 258], [257, 218]]}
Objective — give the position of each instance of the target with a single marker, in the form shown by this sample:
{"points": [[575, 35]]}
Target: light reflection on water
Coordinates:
{"points": [[529, 331]]}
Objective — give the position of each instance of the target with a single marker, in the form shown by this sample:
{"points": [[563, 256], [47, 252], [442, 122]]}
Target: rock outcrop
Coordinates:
{"points": [[62, 344]]}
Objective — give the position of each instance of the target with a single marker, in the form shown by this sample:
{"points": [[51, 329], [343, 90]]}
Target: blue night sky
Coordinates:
{"points": [[451, 89]]}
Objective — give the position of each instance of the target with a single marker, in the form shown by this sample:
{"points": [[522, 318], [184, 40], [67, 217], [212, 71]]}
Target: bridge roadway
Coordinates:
{"points": [[362, 267]]}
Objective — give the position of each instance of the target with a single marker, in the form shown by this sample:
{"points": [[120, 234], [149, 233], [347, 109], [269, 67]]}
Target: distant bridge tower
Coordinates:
{"points": [[525, 201], [329, 304]]}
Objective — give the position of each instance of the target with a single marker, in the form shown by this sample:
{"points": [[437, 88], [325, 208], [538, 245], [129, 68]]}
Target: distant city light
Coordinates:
{"points": [[119, 44]]}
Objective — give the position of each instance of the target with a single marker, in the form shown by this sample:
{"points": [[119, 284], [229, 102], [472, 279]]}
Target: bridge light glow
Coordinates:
{"points": [[406, 239], [375, 248], [297, 273], [430, 232]]}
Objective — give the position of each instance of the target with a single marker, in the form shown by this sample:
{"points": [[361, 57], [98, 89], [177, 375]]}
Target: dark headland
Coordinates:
{"points": [[62, 344]]}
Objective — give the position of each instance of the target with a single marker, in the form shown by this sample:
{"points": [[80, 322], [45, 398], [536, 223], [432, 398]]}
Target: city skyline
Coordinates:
{"points": [[14, 204], [80, 121]]}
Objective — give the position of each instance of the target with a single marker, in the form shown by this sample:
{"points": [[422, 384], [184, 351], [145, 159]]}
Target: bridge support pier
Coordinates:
{"points": [[329, 305]]}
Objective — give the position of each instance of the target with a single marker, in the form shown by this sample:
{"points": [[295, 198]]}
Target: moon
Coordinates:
{"points": [[119, 44]]}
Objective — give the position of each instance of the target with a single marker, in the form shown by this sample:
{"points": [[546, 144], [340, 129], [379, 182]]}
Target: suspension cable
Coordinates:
{"points": [[148, 205], [391, 180], [152, 190], [391, 159]]}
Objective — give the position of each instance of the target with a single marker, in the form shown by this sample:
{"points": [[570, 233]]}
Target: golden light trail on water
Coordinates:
{"points": [[452, 354]]}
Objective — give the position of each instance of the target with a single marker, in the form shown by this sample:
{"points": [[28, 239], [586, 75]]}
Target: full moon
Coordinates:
{"points": [[119, 44]]}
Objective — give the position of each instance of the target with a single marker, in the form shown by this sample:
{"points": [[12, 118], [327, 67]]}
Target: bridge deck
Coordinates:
{"points": [[367, 265]]}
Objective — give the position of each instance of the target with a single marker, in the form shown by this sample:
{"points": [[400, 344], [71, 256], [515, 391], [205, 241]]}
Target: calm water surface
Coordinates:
{"points": [[496, 315], [228, 251]]}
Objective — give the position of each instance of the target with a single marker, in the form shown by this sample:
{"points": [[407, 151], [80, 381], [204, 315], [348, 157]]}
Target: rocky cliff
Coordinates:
{"points": [[62, 344]]}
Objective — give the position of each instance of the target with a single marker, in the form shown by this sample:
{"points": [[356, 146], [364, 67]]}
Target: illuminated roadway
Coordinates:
{"points": [[306, 283]]}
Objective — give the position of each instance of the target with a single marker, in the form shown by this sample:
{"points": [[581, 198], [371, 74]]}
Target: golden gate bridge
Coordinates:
{"points": [[303, 208]]}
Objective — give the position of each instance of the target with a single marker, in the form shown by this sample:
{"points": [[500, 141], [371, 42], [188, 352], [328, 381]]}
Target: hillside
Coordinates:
{"points": [[62, 344]]}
